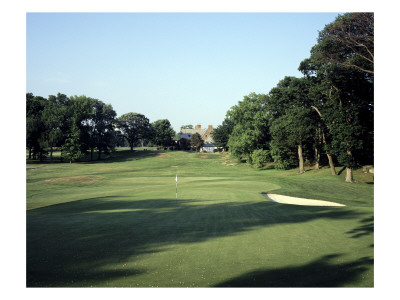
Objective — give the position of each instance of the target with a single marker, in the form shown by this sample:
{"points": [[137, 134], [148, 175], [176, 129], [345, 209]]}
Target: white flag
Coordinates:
{"points": [[176, 178]]}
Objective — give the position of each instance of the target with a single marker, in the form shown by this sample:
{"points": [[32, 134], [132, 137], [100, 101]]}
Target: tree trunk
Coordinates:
{"points": [[331, 165], [317, 158], [349, 171], [349, 175], [99, 153], [301, 159], [30, 153], [333, 171], [51, 154], [131, 145]]}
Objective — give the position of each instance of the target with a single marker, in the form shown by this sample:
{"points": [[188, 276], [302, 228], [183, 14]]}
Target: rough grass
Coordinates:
{"points": [[117, 223]]}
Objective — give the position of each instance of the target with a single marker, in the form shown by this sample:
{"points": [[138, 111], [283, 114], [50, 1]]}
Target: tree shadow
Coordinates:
{"points": [[366, 228], [341, 170], [127, 155], [118, 156], [70, 243], [323, 272]]}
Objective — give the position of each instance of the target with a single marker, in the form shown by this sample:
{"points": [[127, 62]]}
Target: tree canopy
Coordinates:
{"points": [[134, 127], [163, 133]]}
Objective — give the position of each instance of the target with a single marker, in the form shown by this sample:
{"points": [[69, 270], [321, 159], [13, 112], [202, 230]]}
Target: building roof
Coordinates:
{"points": [[205, 133]]}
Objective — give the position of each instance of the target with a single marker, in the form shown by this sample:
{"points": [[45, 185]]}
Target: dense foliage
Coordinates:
{"points": [[328, 112], [80, 126]]}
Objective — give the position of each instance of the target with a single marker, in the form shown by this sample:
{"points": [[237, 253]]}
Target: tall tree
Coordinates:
{"points": [[196, 141], [54, 115], [82, 127], [222, 132], [134, 127], [292, 124], [103, 124], [162, 132], [343, 57], [72, 148], [250, 130], [36, 130], [348, 41]]}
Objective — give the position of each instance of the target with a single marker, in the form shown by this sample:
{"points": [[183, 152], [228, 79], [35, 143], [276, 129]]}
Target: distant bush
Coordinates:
{"points": [[260, 157]]}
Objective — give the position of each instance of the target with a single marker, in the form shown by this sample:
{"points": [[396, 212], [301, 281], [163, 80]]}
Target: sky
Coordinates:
{"points": [[189, 68]]}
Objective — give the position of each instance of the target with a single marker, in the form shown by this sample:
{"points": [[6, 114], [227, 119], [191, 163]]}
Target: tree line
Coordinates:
{"points": [[326, 115], [82, 126]]}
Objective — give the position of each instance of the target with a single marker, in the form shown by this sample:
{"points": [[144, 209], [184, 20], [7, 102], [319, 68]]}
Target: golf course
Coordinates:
{"points": [[124, 221]]}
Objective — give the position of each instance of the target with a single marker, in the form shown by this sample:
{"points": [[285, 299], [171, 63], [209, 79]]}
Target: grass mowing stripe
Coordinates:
{"points": [[128, 229]]}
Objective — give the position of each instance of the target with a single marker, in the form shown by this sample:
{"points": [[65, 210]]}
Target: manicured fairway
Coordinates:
{"points": [[117, 223]]}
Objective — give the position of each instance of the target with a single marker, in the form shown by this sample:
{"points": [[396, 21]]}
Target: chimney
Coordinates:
{"points": [[197, 127], [210, 127]]}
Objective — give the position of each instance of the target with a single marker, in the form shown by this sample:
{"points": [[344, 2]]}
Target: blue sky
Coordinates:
{"points": [[189, 68]]}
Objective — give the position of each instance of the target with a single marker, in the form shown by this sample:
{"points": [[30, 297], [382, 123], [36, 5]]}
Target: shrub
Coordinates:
{"points": [[260, 157]]}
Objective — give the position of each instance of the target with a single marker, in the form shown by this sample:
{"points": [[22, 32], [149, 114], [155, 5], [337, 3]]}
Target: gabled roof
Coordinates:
{"points": [[205, 133], [201, 131]]}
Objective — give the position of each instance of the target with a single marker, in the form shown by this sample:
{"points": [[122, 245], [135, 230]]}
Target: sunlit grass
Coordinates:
{"points": [[117, 222]]}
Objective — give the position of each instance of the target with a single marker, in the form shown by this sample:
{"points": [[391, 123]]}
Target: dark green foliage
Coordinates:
{"points": [[134, 127], [36, 130], [162, 133], [196, 142], [292, 121], [341, 68], [260, 157], [190, 126], [222, 132], [76, 125], [250, 130], [348, 42], [73, 149]]}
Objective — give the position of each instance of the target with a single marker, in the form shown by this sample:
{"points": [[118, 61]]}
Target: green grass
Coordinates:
{"points": [[117, 223]]}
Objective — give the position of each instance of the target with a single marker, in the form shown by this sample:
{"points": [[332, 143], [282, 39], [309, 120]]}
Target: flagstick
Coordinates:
{"points": [[176, 187]]}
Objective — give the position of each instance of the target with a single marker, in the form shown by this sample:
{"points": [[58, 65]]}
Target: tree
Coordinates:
{"points": [[162, 132], [348, 41], [250, 130], [293, 130], [196, 141], [36, 130], [134, 127], [54, 115], [190, 126], [343, 60], [222, 132], [72, 148], [81, 131], [292, 123], [103, 122]]}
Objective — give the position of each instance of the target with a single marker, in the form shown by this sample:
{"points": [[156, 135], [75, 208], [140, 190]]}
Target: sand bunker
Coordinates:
{"points": [[300, 201]]}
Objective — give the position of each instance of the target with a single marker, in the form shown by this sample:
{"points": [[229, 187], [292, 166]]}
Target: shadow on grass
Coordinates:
{"points": [[73, 243], [127, 155], [118, 156], [323, 272], [366, 228]]}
